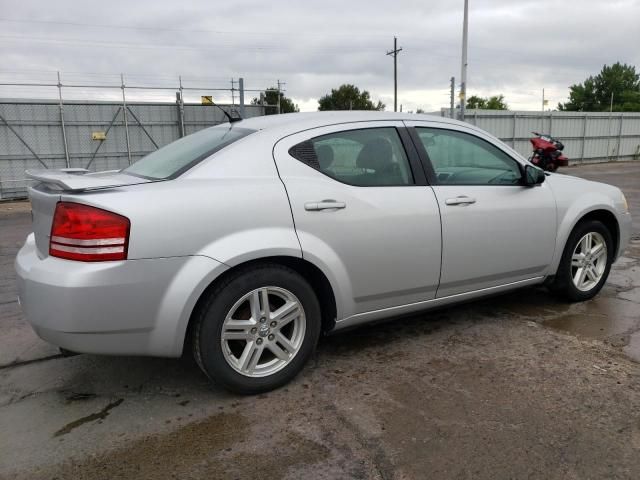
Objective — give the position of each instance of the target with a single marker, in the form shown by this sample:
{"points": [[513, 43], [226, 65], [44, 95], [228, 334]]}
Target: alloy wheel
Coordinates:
{"points": [[589, 261], [263, 331]]}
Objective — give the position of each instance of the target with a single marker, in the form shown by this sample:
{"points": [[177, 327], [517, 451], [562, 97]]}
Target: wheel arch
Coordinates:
{"points": [[602, 214], [609, 220], [314, 275]]}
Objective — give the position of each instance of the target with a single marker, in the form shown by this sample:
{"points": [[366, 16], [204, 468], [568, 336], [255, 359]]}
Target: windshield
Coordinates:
{"points": [[179, 156]]}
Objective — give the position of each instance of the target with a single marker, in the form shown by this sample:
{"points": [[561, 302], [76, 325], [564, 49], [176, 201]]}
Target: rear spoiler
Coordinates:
{"points": [[79, 179]]}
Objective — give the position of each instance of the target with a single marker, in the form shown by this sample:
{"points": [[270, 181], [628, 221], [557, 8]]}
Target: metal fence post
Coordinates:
{"points": [[550, 121], [584, 138], [513, 136], [64, 131], [126, 121], [619, 135], [181, 107], [241, 87], [609, 133]]}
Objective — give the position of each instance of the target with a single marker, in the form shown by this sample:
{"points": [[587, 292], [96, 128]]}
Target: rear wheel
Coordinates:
{"points": [[586, 262], [257, 329]]}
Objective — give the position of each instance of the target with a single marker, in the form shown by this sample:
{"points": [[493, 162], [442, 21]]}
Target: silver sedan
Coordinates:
{"points": [[246, 241]]}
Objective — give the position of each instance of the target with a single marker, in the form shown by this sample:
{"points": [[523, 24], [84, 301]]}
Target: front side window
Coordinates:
{"points": [[177, 157], [366, 157], [462, 159]]}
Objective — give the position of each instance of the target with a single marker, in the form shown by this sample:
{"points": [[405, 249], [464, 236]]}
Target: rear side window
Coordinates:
{"points": [[179, 156], [366, 157]]}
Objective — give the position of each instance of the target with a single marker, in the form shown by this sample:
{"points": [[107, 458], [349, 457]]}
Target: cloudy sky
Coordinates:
{"points": [[515, 47]]}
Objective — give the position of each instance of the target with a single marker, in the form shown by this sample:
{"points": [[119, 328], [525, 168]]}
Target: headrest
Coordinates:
{"points": [[375, 154], [325, 156]]}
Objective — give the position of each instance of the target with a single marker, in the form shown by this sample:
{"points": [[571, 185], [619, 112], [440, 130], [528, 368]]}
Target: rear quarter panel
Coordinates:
{"points": [[232, 208]]}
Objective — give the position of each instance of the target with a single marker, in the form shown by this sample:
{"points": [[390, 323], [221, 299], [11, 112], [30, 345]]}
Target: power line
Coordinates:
{"points": [[182, 30], [79, 42]]}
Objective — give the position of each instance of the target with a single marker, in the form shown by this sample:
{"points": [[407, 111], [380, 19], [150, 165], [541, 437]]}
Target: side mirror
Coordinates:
{"points": [[533, 175]]}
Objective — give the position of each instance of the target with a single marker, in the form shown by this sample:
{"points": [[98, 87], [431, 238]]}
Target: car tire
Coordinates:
{"points": [[596, 266], [240, 342]]}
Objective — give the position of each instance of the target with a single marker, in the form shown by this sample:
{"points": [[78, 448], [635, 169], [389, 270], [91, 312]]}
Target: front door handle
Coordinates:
{"points": [[461, 200], [324, 205]]}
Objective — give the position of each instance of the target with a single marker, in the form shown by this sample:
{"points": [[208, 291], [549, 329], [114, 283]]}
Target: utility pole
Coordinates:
{"points": [[463, 84], [241, 88], [395, 53], [453, 95]]}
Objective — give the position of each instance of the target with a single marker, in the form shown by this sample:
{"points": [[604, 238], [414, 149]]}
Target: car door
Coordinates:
{"points": [[495, 230], [363, 213]]}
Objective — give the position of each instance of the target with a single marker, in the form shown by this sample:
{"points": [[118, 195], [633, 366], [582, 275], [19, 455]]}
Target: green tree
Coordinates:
{"points": [[474, 102], [594, 94], [483, 103], [271, 98], [348, 97]]}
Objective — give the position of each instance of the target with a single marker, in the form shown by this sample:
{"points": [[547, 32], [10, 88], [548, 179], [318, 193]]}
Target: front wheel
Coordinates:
{"points": [[257, 329], [586, 262]]}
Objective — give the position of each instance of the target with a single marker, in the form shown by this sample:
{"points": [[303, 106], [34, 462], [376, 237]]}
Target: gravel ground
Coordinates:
{"points": [[516, 386]]}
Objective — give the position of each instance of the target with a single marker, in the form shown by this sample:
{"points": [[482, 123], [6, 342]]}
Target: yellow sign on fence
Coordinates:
{"points": [[98, 135], [206, 100]]}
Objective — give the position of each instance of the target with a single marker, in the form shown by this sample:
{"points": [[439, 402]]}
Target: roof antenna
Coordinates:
{"points": [[231, 119]]}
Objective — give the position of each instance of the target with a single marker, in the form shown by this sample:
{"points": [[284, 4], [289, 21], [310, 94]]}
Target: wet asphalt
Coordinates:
{"points": [[517, 386]]}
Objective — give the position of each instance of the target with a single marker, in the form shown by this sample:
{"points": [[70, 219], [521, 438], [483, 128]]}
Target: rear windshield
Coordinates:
{"points": [[179, 156]]}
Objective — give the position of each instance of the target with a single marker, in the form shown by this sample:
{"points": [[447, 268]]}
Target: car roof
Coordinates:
{"points": [[302, 121], [279, 126]]}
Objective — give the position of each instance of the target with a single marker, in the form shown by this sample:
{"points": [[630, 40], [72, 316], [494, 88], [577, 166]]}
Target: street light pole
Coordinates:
{"points": [[453, 95], [463, 84]]}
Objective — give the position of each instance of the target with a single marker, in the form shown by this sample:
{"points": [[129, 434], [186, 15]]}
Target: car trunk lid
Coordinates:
{"points": [[52, 184]]}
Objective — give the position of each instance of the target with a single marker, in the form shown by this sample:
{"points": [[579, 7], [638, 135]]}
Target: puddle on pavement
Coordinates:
{"points": [[614, 315], [610, 319]]}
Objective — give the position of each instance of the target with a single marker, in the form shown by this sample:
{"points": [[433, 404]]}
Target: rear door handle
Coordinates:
{"points": [[324, 205], [461, 200]]}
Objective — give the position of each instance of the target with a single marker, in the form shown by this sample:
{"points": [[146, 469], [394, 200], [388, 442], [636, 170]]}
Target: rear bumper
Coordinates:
{"points": [[132, 307]]}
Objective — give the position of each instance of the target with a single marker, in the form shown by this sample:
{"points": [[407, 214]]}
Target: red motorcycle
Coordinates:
{"points": [[547, 152]]}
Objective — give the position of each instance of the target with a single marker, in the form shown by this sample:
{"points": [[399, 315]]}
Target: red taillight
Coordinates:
{"points": [[88, 234]]}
